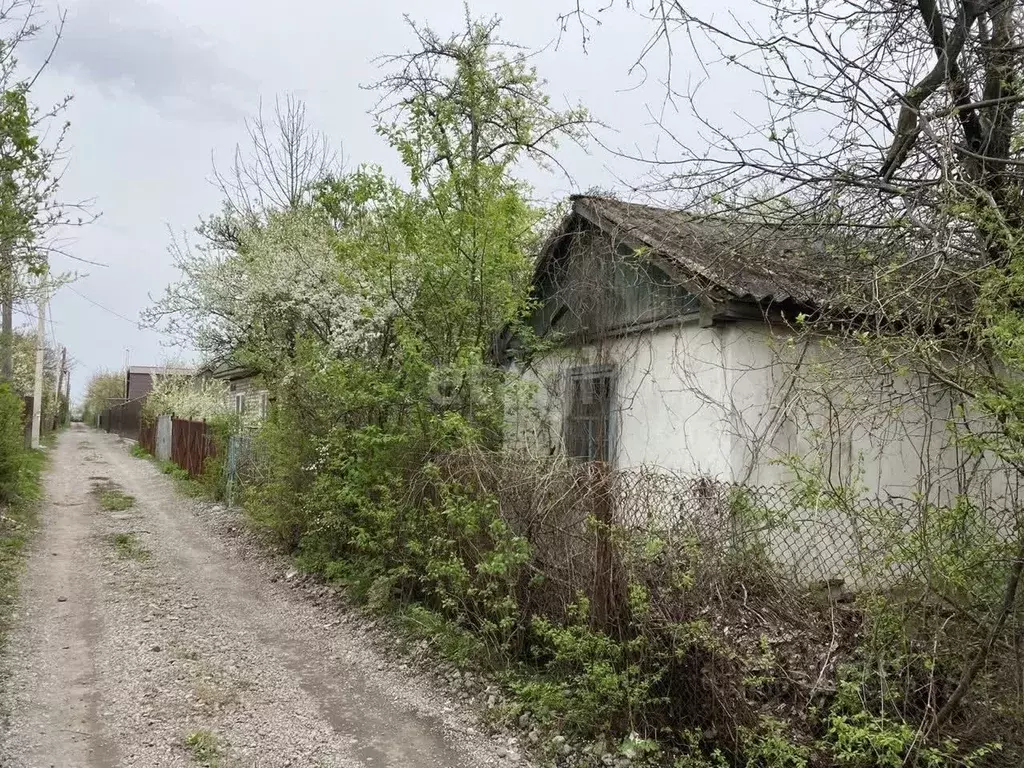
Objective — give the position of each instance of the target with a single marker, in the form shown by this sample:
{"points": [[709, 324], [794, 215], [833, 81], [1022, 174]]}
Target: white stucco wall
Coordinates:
{"points": [[657, 421], [723, 402]]}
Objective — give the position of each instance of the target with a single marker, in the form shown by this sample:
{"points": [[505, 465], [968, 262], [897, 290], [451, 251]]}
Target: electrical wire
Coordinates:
{"points": [[105, 309]]}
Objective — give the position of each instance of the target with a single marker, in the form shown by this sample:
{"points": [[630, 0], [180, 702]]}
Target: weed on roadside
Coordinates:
{"points": [[116, 500], [17, 522], [139, 452], [128, 547], [214, 696], [172, 469], [204, 746], [184, 483], [111, 496]]}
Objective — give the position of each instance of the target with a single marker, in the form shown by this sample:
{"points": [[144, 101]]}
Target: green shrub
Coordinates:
{"points": [[12, 443], [604, 684], [771, 745], [17, 523], [213, 478]]}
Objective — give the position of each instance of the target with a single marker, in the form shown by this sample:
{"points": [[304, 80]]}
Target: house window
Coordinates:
{"points": [[263, 406], [588, 419], [240, 405]]}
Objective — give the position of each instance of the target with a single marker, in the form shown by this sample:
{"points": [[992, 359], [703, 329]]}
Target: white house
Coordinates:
{"points": [[674, 350], [245, 397]]}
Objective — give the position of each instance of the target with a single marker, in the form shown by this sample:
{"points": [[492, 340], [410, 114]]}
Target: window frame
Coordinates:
{"points": [[571, 419]]}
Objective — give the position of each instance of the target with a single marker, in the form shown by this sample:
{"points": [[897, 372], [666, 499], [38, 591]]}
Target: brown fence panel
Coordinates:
{"points": [[191, 444], [125, 419], [147, 436]]}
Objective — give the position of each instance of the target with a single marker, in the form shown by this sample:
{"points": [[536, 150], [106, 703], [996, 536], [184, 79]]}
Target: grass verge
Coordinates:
{"points": [[17, 523], [208, 485]]}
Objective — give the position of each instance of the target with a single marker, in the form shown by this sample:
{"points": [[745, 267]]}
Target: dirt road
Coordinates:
{"points": [[146, 640]]}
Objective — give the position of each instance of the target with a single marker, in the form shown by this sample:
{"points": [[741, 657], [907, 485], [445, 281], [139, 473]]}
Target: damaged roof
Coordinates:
{"points": [[746, 259], [754, 260]]}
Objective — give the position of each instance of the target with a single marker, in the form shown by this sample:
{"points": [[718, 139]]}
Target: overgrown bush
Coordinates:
{"points": [[213, 479], [12, 443], [503, 560]]}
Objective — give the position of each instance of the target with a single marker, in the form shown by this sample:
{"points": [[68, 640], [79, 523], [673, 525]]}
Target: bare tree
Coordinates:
{"points": [[282, 163], [890, 132], [879, 109], [32, 163]]}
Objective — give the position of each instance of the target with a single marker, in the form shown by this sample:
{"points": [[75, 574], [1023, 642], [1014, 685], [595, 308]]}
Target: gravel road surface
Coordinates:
{"points": [[147, 639]]}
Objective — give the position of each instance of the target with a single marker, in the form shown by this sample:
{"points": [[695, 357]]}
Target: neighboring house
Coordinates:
{"points": [[674, 349], [246, 398], [140, 378]]}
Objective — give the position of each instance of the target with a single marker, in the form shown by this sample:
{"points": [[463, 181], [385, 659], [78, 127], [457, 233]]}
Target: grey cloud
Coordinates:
{"points": [[142, 49]]}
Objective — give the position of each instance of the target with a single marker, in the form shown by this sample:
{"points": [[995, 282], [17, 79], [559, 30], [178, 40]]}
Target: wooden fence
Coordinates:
{"points": [[147, 436], [191, 444], [124, 419]]}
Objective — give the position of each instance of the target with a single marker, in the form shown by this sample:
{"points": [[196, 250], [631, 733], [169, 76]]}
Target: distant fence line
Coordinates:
{"points": [[124, 419], [185, 442]]}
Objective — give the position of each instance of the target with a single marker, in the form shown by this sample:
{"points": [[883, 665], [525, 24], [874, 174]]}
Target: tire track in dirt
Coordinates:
{"points": [[179, 652]]}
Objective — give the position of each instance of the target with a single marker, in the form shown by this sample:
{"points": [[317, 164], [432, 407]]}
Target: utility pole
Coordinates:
{"points": [[37, 392], [7, 312], [58, 416]]}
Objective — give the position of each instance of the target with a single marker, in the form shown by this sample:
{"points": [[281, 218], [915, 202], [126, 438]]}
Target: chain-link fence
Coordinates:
{"points": [[810, 535], [244, 465], [741, 600], [780, 577]]}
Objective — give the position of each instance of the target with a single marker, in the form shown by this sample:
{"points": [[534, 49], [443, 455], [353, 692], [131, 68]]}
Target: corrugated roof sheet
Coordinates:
{"points": [[745, 258]]}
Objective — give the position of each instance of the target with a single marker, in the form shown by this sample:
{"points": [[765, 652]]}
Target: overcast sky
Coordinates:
{"points": [[162, 86]]}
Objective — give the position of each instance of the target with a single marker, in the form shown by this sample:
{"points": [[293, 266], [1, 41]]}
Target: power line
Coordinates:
{"points": [[105, 309]]}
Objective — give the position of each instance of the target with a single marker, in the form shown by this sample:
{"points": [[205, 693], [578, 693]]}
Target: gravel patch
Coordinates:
{"points": [[193, 644]]}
